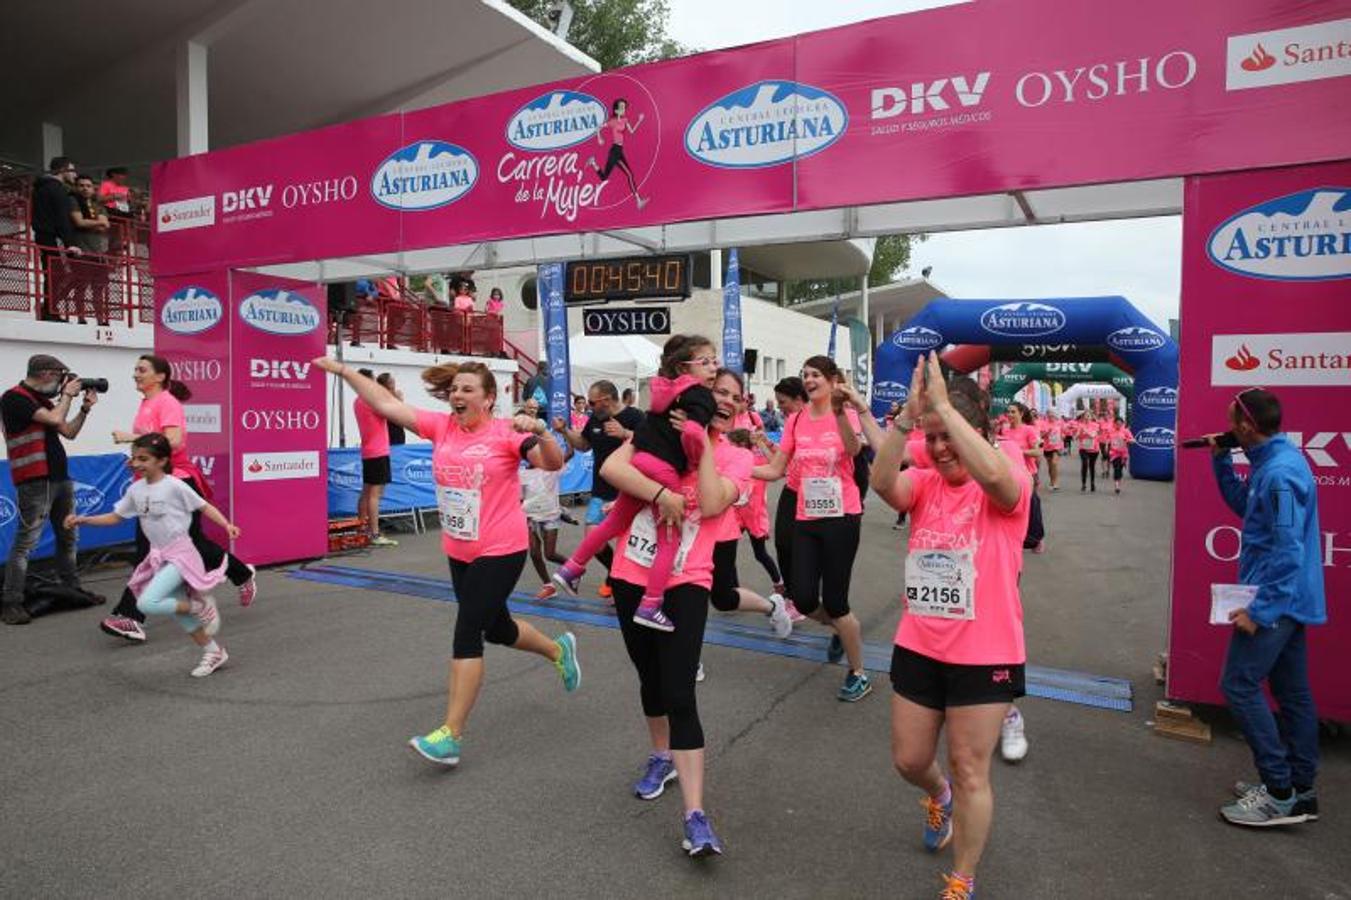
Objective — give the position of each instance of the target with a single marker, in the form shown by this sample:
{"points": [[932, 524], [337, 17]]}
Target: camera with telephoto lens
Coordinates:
{"points": [[97, 385]]}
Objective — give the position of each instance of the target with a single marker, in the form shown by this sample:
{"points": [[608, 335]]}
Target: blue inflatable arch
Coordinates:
{"points": [[1135, 342]]}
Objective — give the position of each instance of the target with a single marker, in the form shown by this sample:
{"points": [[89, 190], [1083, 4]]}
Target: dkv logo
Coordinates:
{"points": [[424, 175], [1135, 339], [556, 120], [1298, 237], [1023, 319], [917, 337], [191, 310], [1156, 438], [279, 311], [1160, 398], [766, 124]]}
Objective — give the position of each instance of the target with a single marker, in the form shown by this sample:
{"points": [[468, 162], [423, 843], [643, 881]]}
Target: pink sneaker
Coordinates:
{"points": [[123, 627], [794, 614], [204, 608], [210, 662], [248, 591]]}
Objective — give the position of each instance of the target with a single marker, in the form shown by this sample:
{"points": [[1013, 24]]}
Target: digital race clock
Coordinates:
{"points": [[630, 278]]}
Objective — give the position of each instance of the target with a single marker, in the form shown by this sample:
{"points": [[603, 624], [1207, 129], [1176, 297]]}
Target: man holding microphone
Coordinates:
{"points": [[1281, 559]]}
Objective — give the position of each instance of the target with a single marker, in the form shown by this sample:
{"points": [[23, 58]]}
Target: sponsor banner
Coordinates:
{"points": [[277, 418], [1272, 360], [283, 466], [815, 121], [861, 355], [555, 313], [99, 481], [638, 320], [733, 356], [1284, 329], [1305, 236], [202, 418]]}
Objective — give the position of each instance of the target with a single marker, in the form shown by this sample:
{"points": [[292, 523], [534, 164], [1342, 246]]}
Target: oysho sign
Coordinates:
{"points": [[555, 120], [626, 321], [424, 175], [1299, 237], [766, 124], [279, 311], [1022, 320], [191, 310]]}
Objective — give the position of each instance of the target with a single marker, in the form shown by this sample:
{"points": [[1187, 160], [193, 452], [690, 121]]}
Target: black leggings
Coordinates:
{"points": [[1036, 530], [666, 663], [482, 588], [784, 515], [1088, 468], [823, 562], [1118, 466], [725, 583], [212, 553], [763, 558], [615, 159]]}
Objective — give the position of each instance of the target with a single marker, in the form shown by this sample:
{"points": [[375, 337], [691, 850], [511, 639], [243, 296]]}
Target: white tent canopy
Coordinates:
{"points": [[1093, 390], [623, 359]]}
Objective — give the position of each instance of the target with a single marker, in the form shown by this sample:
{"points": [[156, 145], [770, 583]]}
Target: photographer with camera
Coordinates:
{"points": [[1280, 560], [34, 424]]}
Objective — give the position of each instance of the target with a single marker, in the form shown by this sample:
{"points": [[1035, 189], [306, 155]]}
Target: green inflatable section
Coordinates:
{"points": [[1017, 376]]}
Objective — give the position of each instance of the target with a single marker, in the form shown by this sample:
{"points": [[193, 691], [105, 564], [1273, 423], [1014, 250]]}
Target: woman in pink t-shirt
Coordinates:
{"points": [[161, 412], [1106, 426], [1086, 437], [476, 465], [959, 655], [375, 465], [619, 127], [791, 398], [666, 662], [1022, 433], [1119, 450], [1052, 443], [817, 455], [754, 514], [495, 305]]}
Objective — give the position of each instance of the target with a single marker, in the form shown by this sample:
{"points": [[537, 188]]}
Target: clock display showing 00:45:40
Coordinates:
{"points": [[630, 278]]}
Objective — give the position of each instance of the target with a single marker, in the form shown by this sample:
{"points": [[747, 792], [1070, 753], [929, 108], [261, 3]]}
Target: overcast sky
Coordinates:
{"points": [[1139, 259]]}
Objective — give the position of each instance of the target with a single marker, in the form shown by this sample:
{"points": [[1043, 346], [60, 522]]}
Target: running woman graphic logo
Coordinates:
{"points": [[191, 310], [1022, 319], [280, 312], [766, 124], [424, 175], [1298, 237], [1135, 339], [555, 121], [917, 337]]}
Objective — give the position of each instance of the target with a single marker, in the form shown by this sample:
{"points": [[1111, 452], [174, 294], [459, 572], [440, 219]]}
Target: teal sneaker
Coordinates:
{"points": [[1258, 809], [440, 747], [568, 666], [856, 686]]}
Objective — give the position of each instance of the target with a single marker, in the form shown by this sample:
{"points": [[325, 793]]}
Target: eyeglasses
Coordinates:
{"points": [[703, 361]]}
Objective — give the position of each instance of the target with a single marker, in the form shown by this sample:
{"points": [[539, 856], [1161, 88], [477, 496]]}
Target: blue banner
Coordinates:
{"points": [[732, 347], [99, 481], [555, 312]]}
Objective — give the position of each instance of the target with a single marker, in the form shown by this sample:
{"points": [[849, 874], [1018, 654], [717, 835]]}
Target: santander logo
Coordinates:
{"points": [[1259, 61], [255, 466], [1243, 360]]}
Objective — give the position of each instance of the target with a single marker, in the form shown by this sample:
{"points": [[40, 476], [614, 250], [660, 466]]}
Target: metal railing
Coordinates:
{"points": [[50, 284], [404, 324]]}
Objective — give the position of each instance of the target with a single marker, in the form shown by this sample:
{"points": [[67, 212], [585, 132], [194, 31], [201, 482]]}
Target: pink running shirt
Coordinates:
{"points": [[1087, 435], [1024, 437], [734, 463], [955, 517], [486, 460], [374, 430], [816, 450], [1121, 438], [158, 413]]}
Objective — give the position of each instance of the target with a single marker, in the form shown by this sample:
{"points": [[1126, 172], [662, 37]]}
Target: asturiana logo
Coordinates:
{"points": [[1299, 237], [891, 392], [1135, 339], [344, 476], [279, 311], [917, 337], [937, 564], [7, 510], [418, 471], [424, 175], [766, 124], [555, 120], [1156, 437], [1022, 319], [88, 499], [1162, 398], [191, 310]]}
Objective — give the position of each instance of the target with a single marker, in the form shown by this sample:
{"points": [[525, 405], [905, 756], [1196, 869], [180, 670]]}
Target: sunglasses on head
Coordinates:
{"points": [[1243, 407]]}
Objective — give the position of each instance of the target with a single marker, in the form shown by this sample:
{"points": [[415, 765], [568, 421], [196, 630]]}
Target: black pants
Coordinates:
{"points": [[482, 588], [212, 553], [1118, 466], [666, 662], [1036, 530], [1088, 468], [725, 582], [763, 558], [823, 563], [784, 515]]}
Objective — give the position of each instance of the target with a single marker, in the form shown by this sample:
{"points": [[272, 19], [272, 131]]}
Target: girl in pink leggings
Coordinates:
{"points": [[665, 452]]}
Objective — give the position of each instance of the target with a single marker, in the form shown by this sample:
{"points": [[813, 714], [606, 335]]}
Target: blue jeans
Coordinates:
{"points": [[1285, 745], [36, 502]]}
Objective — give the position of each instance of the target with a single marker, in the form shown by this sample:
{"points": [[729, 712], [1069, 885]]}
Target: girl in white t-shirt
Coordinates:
{"points": [[165, 506]]}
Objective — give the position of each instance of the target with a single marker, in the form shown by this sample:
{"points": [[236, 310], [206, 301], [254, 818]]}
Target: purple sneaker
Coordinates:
{"points": [[653, 618], [567, 581], [700, 840], [660, 772]]}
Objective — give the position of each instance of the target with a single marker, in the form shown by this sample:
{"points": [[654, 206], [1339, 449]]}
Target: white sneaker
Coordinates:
{"points": [[210, 662], [1012, 739], [778, 617], [699, 673]]}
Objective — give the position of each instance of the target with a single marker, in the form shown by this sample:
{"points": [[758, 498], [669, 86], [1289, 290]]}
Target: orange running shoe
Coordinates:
{"points": [[957, 888], [606, 591]]}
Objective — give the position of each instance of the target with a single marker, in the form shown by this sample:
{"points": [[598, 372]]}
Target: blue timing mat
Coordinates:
{"points": [[1051, 684]]}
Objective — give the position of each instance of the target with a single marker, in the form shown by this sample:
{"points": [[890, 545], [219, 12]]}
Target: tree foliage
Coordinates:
{"points": [[614, 33], [891, 256]]}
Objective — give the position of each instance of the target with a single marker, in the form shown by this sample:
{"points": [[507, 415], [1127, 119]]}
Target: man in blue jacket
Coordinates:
{"points": [[1281, 556]]}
